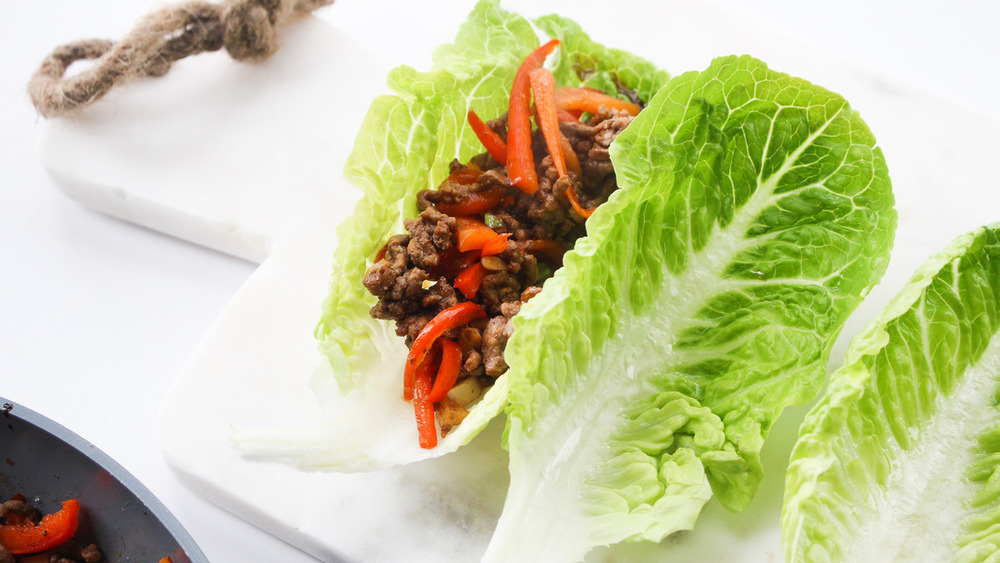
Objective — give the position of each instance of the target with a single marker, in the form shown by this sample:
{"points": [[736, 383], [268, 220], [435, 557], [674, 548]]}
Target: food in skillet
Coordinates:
{"points": [[28, 536]]}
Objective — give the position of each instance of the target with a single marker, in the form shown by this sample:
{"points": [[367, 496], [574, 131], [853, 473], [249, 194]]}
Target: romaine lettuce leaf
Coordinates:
{"points": [[590, 64], [900, 458], [755, 212], [405, 144]]}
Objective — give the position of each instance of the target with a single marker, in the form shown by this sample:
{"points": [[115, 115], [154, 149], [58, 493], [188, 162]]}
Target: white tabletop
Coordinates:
{"points": [[98, 315]]}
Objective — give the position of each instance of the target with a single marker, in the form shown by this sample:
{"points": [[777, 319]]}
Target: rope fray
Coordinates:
{"points": [[247, 29]]}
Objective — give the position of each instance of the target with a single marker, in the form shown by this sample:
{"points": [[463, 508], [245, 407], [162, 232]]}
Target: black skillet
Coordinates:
{"points": [[49, 464]]}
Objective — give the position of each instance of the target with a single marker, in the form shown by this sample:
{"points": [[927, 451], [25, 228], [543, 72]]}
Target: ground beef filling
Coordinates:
{"points": [[413, 279]]}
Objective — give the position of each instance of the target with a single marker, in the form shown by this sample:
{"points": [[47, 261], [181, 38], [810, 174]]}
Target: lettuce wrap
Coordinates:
{"points": [[405, 145]]}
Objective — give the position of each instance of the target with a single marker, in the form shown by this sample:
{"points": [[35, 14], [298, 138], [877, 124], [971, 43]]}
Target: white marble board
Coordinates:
{"points": [[246, 159]]}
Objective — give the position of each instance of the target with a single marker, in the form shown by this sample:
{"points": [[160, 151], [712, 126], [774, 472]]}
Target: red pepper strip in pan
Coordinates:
{"points": [[474, 203], [447, 375], [469, 280], [489, 138], [543, 86], [452, 317], [496, 246], [54, 530], [423, 409], [473, 234], [590, 100], [520, 161]]}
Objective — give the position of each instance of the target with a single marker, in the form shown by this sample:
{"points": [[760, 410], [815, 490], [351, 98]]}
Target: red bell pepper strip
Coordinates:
{"points": [[473, 234], [423, 409], [54, 530], [465, 176], [469, 280], [381, 253], [489, 138], [575, 203], [452, 263], [452, 317], [572, 161], [543, 86], [520, 160], [566, 115], [590, 100], [548, 248], [496, 246], [427, 367], [474, 203], [447, 375]]}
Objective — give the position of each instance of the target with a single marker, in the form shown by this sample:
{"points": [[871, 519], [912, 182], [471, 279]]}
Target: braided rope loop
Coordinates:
{"points": [[247, 29]]}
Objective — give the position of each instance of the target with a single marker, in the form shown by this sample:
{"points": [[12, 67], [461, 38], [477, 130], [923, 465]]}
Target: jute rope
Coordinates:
{"points": [[245, 28]]}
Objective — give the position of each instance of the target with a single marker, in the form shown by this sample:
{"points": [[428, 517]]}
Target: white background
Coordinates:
{"points": [[97, 315]]}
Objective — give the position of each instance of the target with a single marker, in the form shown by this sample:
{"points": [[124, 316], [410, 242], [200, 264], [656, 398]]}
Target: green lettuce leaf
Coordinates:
{"points": [[405, 144], [899, 460], [755, 214], [590, 64]]}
